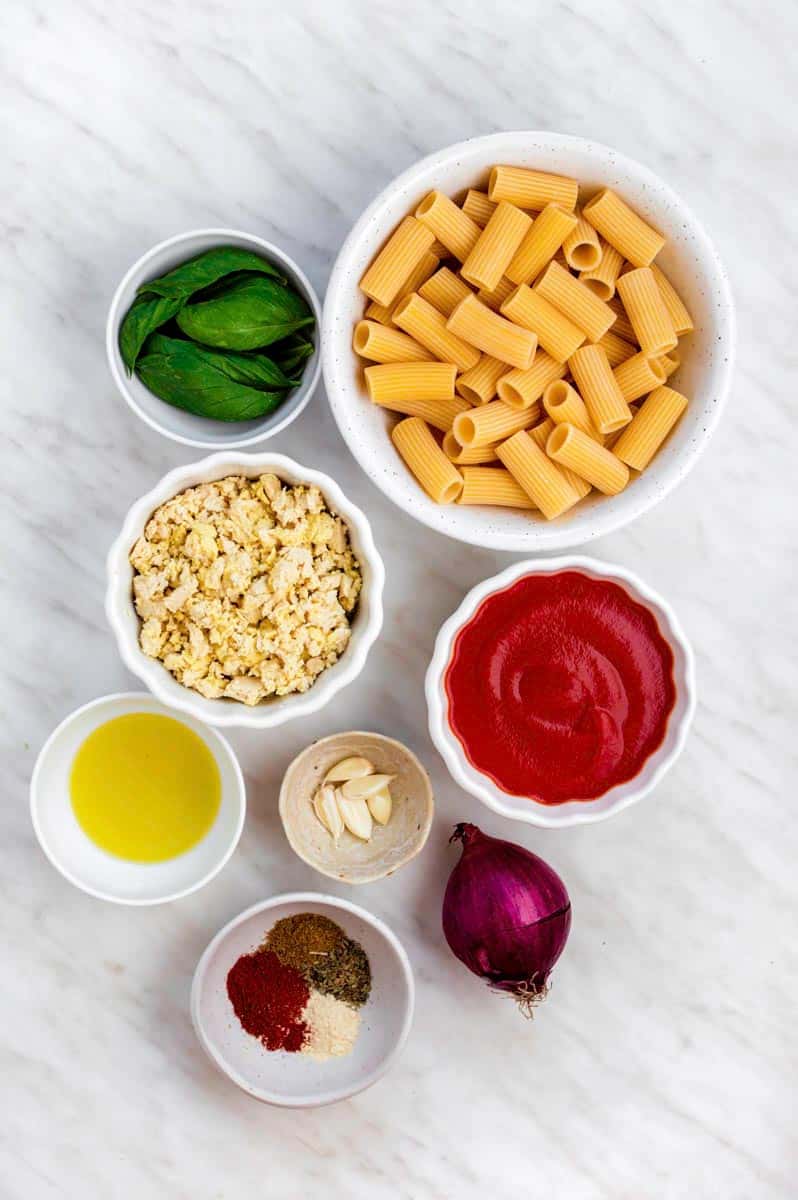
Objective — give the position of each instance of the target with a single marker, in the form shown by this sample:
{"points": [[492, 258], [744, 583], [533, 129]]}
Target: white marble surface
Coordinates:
{"points": [[662, 1064]]}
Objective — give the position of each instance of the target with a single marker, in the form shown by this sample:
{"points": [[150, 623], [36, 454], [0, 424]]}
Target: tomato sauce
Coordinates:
{"points": [[560, 687]]}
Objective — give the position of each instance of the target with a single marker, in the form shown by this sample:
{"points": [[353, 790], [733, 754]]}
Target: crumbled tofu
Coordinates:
{"points": [[245, 587]]}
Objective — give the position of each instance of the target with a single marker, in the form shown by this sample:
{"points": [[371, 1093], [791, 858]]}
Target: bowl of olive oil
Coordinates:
{"points": [[135, 803]]}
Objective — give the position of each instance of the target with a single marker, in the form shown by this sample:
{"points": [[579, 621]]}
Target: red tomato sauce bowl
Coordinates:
{"points": [[561, 690]]}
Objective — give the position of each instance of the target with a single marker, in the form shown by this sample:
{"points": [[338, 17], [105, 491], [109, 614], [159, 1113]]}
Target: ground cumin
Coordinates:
{"points": [[303, 940]]}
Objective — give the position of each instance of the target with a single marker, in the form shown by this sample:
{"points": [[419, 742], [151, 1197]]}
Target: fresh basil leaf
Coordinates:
{"points": [[146, 314], [205, 269], [290, 359], [255, 312], [191, 383], [253, 369]]}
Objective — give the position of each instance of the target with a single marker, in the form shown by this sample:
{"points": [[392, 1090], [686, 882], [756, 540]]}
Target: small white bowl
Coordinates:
{"points": [[125, 623], [94, 870], [295, 1080], [573, 812], [185, 427], [391, 846], [689, 259]]}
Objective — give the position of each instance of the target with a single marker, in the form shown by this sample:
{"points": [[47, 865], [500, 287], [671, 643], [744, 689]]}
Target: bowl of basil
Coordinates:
{"points": [[212, 339]]}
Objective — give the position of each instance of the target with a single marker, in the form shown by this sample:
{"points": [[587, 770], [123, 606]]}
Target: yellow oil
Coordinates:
{"points": [[145, 787]]}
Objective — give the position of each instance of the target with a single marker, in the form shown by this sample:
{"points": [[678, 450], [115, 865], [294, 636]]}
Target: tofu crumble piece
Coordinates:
{"points": [[245, 587]]}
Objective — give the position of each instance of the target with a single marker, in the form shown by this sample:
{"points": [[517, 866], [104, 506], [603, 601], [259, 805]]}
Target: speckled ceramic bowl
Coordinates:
{"points": [[391, 845], [689, 259]]}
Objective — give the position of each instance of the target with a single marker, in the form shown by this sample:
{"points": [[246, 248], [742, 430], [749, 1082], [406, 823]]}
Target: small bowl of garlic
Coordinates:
{"points": [[356, 806]]}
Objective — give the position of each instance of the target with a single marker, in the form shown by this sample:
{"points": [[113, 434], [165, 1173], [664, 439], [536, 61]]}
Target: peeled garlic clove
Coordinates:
{"points": [[361, 789], [349, 768], [325, 806], [380, 805], [356, 815]]}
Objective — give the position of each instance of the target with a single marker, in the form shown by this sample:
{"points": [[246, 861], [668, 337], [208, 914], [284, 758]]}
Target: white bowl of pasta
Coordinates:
{"points": [[558, 404]]}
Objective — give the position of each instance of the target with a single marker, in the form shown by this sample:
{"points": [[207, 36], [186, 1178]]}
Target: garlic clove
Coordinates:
{"points": [[361, 789], [380, 805], [325, 806], [349, 768], [356, 815]]}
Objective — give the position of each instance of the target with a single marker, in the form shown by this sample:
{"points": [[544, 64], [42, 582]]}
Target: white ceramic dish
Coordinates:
{"points": [[174, 423], [575, 812], [391, 846], [294, 1080], [101, 874], [689, 259], [125, 622]]}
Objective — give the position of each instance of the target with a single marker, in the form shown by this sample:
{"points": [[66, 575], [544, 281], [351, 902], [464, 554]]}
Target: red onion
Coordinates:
{"points": [[506, 914]]}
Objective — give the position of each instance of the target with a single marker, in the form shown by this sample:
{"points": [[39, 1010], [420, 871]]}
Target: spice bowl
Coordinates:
{"points": [[294, 1080], [176, 423], [92, 869], [392, 845]]}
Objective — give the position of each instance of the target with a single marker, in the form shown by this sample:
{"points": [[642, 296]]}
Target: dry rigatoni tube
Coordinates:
{"points": [[478, 206], [462, 455], [631, 236], [479, 326], [493, 485], [532, 189], [601, 278], [599, 389], [538, 475], [646, 309], [670, 363], [428, 326], [449, 224], [578, 303], [439, 413], [651, 424], [384, 312], [541, 243], [638, 376], [520, 389], [439, 477], [496, 246], [616, 349], [622, 326], [566, 407], [400, 255], [558, 336], [582, 248], [491, 423], [424, 381], [382, 344], [540, 436], [572, 448], [497, 297], [478, 385], [444, 290], [680, 318]]}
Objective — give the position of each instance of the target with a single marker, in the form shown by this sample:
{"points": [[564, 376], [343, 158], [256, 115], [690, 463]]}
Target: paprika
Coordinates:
{"points": [[268, 998]]}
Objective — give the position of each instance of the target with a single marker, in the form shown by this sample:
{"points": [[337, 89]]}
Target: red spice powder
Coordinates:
{"points": [[268, 998]]}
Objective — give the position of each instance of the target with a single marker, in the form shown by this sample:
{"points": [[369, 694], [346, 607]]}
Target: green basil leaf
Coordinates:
{"points": [[253, 369], [189, 382], [292, 358], [146, 314], [205, 269], [250, 314]]}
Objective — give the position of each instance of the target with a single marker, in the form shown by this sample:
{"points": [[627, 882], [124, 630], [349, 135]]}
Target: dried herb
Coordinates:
{"points": [[343, 973]]}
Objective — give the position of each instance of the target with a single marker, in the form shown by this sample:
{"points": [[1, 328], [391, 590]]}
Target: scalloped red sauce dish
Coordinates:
{"points": [[560, 687]]}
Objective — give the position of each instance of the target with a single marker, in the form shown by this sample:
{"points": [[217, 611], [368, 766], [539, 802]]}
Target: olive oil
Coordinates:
{"points": [[145, 787]]}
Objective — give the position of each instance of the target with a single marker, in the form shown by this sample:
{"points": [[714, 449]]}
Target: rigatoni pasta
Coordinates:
{"points": [[493, 485], [543, 343], [650, 425], [631, 236], [479, 326], [400, 255], [495, 247], [437, 475]]}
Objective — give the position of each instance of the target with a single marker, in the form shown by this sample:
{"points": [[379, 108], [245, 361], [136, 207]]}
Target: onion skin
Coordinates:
{"points": [[506, 914]]}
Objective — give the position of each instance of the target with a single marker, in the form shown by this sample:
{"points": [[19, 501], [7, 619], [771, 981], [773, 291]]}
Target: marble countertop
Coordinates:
{"points": [[662, 1064]]}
